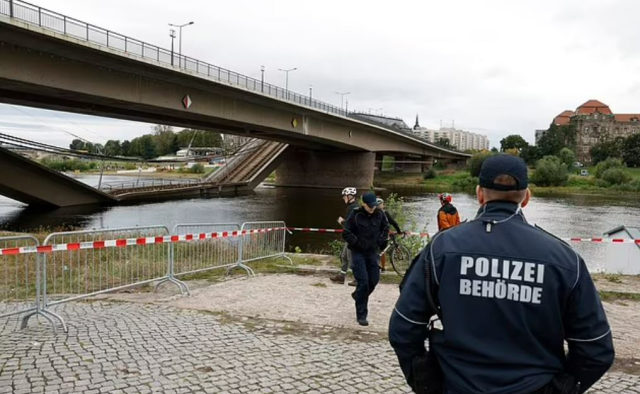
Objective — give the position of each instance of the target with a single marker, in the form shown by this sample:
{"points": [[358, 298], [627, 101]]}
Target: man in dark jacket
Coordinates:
{"points": [[509, 296], [351, 203], [366, 232]]}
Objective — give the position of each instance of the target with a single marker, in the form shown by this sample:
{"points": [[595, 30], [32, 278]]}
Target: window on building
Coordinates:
{"points": [[586, 129]]}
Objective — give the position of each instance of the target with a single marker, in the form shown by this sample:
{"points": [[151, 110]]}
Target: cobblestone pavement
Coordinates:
{"points": [[274, 343], [139, 348]]}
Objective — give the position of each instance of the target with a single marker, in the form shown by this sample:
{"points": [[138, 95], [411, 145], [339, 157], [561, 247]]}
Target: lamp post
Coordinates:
{"points": [[286, 84], [342, 99], [262, 79], [180, 43], [172, 34], [310, 92]]}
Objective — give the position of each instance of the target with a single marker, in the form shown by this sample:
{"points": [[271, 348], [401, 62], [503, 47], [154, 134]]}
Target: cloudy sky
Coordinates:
{"points": [[496, 67]]}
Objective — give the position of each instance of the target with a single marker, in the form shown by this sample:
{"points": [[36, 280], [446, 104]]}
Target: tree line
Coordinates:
{"points": [[162, 141]]}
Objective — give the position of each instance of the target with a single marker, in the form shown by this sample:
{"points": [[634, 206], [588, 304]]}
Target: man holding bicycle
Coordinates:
{"points": [[366, 232]]}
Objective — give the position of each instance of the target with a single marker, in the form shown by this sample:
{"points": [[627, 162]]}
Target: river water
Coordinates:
{"points": [[566, 216]]}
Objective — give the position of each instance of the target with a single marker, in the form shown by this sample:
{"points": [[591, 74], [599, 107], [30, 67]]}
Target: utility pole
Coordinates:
{"points": [[180, 44], [172, 34], [262, 79]]}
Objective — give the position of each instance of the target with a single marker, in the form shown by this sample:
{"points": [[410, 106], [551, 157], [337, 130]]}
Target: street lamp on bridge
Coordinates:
{"points": [[172, 34], [342, 99], [286, 84], [180, 44]]}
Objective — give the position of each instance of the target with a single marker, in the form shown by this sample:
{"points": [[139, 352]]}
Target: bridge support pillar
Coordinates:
{"points": [[326, 169]]}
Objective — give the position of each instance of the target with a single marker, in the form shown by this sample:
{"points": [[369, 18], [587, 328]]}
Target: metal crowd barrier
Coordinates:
{"points": [[262, 240], [74, 265], [20, 286], [202, 251], [85, 270]]}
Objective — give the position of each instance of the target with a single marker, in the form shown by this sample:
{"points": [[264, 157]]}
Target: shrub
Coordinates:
{"points": [[429, 174], [475, 163], [468, 183], [615, 176], [633, 186], [197, 169], [567, 156], [607, 164], [550, 171]]}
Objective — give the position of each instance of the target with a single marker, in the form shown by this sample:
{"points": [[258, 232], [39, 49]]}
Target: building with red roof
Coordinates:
{"points": [[595, 122]]}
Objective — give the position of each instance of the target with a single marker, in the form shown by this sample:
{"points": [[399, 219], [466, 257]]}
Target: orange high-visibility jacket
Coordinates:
{"points": [[448, 217]]}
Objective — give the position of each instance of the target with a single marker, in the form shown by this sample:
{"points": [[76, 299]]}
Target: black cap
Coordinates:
{"points": [[503, 164], [370, 199]]}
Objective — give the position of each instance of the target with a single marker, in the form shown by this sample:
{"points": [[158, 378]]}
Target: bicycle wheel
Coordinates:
{"points": [[400, 259]]}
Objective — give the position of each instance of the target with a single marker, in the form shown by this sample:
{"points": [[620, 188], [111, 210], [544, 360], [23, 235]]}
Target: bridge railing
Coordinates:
{"points": [[114, 186], [74, 28]]}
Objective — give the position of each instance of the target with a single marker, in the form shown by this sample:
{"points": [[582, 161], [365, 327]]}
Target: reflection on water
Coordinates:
{"points": [[567, 216]]}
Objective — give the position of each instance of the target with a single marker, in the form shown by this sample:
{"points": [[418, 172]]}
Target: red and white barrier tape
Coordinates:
{"points": [[120, 243], [426, 235]]}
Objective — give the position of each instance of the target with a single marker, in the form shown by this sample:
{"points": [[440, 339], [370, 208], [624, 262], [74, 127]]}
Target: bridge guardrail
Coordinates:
{"points": [[59, 23]]}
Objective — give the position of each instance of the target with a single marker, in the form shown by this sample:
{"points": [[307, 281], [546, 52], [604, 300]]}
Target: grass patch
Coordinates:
{"points": [[617, 295], [319, 284], [613, 278]]}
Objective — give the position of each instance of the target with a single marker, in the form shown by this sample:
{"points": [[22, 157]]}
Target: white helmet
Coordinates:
{"points": [[349, 191]]}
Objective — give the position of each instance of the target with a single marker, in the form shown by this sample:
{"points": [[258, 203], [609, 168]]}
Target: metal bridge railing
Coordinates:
{"points": [[131, 185], [53, 21]]}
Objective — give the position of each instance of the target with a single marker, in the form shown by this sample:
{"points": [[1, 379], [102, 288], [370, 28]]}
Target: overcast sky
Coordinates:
{"points": [[496, 67]]}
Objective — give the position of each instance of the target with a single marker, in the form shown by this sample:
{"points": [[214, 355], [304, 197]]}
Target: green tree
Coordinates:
{"points": [[475, 163], [494, 150], [202, 139], [631, 153], [604, 150], [175, 144], [163, 139], [513, 141], [611, 162], [125, 148], [77, 144], [147, 147], [113, 148], [531, 154], [550, 171], [556, 138], [567, 156]]}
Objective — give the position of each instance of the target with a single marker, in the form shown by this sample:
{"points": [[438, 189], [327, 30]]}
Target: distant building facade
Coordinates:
{"points": [[459, 139], [595, 122]]}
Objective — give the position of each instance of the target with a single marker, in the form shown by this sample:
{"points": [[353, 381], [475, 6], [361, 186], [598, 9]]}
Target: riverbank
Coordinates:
{"points": [[461, 181]]}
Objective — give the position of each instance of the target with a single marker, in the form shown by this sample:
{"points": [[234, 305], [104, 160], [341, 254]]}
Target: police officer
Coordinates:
{"points": [[366, 232], [509, 295]]}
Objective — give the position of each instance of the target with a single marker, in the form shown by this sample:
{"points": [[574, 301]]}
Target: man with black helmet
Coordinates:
{"points": [[351, 203], [508, 296]]}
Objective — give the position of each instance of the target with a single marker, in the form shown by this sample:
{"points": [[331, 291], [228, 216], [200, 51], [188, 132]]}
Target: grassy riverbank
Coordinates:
{"points": [[461, 181]]}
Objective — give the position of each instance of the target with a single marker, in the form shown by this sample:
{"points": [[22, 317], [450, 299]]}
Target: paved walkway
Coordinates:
{"points": [[136, 347]]}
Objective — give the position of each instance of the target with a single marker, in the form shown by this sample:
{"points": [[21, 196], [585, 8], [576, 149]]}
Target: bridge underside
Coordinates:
{"points": [[47, 70]]}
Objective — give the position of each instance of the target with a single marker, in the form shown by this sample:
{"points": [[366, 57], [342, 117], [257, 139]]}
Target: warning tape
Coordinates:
{"points": [[166, 239], [120, 243], [426, 235]]}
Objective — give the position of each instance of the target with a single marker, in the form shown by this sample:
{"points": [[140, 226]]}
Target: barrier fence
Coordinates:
{"points": [[74, 265]]}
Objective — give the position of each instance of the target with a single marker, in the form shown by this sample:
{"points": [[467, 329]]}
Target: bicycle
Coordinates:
{"points": [[399, 255]]}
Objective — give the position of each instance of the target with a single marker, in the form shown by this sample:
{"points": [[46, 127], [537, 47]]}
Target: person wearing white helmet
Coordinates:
{"points": [[351, 203]]}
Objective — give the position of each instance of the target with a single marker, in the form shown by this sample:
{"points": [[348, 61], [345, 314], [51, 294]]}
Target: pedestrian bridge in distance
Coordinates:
{"points": [[55, 62]]}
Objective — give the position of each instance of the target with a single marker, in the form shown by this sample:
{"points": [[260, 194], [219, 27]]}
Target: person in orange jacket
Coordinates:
{"points": [[447, 214]]}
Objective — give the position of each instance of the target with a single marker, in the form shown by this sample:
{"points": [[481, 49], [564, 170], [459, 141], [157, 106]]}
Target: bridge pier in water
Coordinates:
{"points": [[308, 168]]}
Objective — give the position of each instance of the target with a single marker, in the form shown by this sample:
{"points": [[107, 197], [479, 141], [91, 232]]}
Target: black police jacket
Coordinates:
{"points": [[366, 232], [510, 296]]}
